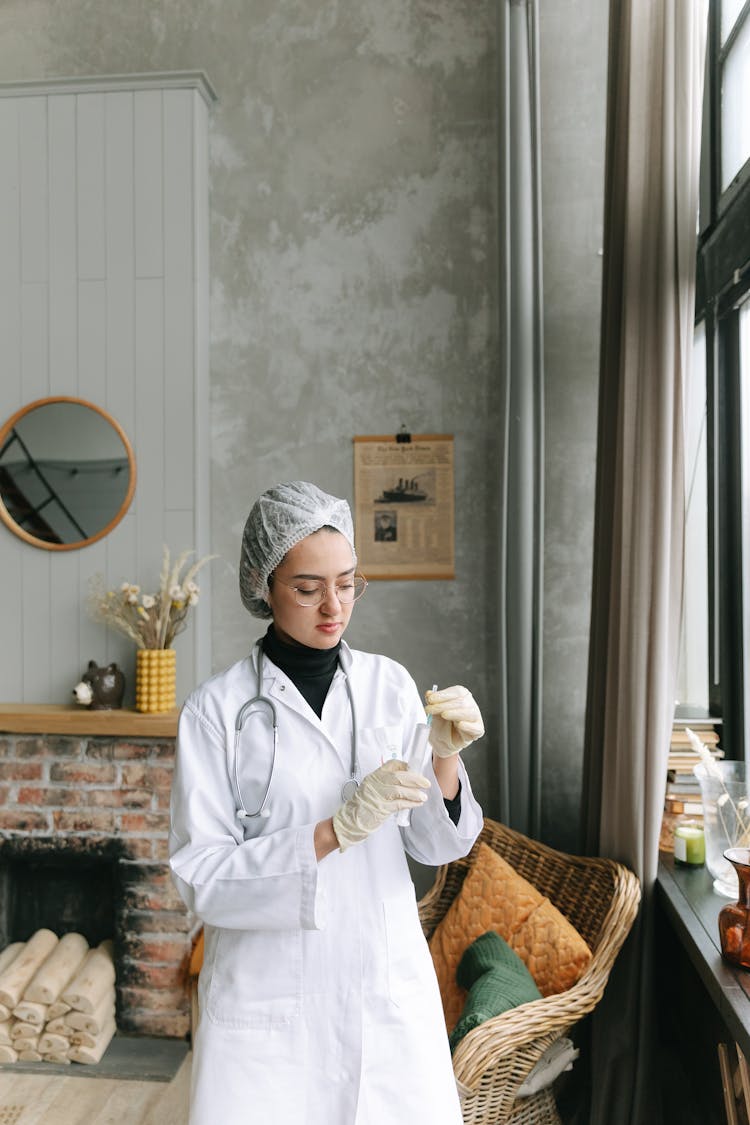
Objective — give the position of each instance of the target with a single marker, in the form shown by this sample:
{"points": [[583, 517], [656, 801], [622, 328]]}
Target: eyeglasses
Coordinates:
{"points": [[312, 593]]}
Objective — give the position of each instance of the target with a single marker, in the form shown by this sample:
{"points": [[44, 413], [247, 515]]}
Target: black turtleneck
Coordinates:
{"points": [[311, 670]]}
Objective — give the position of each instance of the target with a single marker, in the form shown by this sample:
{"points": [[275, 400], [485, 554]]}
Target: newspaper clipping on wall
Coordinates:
{"points": [[404, 506]]}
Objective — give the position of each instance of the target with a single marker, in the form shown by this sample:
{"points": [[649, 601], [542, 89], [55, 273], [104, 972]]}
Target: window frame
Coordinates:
{"points": [[722, 284]]}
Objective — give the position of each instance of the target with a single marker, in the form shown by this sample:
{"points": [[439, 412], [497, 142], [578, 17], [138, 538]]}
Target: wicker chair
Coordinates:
{"points": [[600, 898]]}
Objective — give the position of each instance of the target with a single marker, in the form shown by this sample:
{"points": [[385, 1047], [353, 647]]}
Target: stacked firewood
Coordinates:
{"points": [[57, 999]]}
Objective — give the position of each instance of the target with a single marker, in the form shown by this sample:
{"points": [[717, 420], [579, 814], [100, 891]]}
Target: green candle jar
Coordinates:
{"points": [[689, 843]]}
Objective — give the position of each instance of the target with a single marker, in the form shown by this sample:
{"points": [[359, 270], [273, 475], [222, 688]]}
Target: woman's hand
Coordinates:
{"points": [[324, 839], [389, 788], [456, 722]]}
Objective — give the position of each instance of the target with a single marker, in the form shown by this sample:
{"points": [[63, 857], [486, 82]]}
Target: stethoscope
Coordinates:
{"points": [[348, 789]]}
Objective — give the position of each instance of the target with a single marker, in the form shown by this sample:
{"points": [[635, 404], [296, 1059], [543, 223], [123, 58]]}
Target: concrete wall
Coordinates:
{"points": [[354, 286]]}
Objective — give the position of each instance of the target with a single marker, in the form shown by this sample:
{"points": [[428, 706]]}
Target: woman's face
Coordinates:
{"points": [[325, 556]]}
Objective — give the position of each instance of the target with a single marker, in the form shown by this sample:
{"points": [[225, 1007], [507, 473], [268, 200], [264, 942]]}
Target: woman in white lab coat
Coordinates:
{"points": [[318, 1000]]}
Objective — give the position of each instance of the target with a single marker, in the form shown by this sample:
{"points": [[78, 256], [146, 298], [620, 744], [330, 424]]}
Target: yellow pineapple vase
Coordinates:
{"points": [[155, 680]]}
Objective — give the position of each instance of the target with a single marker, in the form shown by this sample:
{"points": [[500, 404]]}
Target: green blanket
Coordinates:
{"points": [[496, 980]]}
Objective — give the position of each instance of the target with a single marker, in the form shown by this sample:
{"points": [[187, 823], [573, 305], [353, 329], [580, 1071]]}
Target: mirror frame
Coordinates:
{"points": [[5, 515]]}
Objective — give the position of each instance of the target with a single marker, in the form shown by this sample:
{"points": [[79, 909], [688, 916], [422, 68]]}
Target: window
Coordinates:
{"points": [[743, 317], [692, 678], [734, 82], [718, 551]]}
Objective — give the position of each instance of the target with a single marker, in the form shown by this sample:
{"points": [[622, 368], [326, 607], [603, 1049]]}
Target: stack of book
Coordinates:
{"points": [[683, 791]]}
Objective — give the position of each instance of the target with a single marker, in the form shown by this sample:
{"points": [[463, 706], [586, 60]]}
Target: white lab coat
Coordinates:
{"points": [[319, 1003]]}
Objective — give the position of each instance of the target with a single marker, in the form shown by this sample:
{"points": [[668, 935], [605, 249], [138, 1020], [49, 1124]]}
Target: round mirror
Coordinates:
{"points": [[67, 473]]}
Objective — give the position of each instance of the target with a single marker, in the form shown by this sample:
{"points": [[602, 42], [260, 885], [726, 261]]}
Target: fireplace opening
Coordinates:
{"points": [[59, 892], [83, 849]]}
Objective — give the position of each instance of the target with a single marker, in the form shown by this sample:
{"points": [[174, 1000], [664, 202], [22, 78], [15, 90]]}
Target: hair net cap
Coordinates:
{"points": [[278, 519]]}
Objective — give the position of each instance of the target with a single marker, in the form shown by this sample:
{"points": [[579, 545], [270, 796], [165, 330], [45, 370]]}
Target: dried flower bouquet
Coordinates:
{"points": [[152, 621]]}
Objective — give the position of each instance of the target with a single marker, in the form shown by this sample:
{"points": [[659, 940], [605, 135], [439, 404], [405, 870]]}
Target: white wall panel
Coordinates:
{"points": [[10, 258], [64, 627], [120, 240], [117, 558], [34, 340], [10, 228], [32, 148], [201, 396], [150, 419], [92, 342], [148, 168], [92, 201], [63, 291], [11, 607], [93, 639], [11, 555], [179, 295], [104, 295], [37, 579]]}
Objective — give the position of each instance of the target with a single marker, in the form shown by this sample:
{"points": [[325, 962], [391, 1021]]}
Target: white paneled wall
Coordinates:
{"points": [[104, 296]]}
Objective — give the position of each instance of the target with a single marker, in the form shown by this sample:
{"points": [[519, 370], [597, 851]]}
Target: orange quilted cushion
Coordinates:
{"points": [[495, 897]]}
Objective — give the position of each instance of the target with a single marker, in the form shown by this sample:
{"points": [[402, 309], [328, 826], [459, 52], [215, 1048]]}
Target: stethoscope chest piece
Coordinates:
{"points": [[349, 788]]}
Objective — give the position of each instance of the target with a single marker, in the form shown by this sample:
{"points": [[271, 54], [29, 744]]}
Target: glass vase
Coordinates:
{"points": [[734, 918], [155, 680], [726, 820]]}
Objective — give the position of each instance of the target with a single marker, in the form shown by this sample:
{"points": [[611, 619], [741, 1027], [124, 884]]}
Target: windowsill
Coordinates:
{"points": [[692, 908], [50, 718]]}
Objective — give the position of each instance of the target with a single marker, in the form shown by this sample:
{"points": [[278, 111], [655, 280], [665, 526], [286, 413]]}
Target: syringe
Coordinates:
{"points": [[429, 717]]}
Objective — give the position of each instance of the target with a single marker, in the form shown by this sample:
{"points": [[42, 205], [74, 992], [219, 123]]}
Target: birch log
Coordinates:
{"points": [[59, 1008], [29, 1055], [16, 976], [58, 970], [57, 1026], [10, 953], [22, 1030], [57, 1057], [5, 1012], [95, 976], [31, 1013], [93, 1022], [26, 1043], [7, 1054], [94, 1054], [5, 1036], [49, 1043]]}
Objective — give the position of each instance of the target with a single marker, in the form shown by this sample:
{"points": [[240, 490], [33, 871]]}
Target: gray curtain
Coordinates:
{"points": [[656, 59], [521, 483]]}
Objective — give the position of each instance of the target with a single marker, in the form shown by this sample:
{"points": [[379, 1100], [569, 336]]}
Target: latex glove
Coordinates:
{"points": [[456, 720], [387, 789]]}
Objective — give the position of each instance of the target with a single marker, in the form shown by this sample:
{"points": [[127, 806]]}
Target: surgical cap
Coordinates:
{"points": [[278, 519]]}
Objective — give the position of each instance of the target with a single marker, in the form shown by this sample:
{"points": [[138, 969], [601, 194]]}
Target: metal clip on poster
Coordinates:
{"points": [[403, 436]]}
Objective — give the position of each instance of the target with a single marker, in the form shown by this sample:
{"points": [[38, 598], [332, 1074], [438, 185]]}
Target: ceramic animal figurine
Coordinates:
{"points": [[100, 688]]}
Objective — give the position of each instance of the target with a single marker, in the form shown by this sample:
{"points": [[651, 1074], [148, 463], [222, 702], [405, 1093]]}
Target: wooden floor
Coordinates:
{"points": [[34, 1099]]}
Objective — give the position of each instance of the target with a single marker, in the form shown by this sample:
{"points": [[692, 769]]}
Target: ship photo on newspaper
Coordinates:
{"points": [[406, 491], [404, 506]]}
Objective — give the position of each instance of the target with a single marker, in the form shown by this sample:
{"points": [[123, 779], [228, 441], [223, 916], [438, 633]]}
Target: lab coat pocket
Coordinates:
{"points": [[376, 745], [255, 978], [409, 961]]}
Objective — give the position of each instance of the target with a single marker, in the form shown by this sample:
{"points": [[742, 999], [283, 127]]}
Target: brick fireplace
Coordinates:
{"points": [[84, 815]]}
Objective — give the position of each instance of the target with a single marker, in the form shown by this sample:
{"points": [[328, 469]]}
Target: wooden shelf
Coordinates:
{"points": [[692, 908], [50, 718]]}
